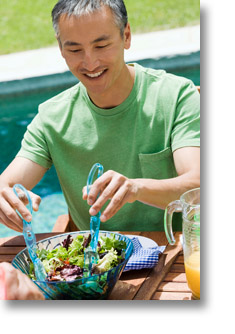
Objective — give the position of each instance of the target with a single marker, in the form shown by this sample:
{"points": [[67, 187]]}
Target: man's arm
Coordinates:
{"points": [[120, 190], [160, 193], [27, 173]]}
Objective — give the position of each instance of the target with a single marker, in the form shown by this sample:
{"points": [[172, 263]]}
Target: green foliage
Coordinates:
{"points": [[153, 15], [26, 24]]}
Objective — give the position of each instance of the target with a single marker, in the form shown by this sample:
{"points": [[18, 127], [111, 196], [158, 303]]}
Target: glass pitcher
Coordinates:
{"points": [[189, 205]]}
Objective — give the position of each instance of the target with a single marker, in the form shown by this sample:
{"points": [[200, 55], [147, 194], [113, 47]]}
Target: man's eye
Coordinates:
{"points": [[101, 46], [74, 51]]}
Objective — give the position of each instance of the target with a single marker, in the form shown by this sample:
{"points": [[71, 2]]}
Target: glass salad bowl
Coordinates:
{"points": [[96, 286]]}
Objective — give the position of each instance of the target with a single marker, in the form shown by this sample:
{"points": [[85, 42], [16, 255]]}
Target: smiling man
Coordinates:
{"points": [[96, 56], [142, 125]]}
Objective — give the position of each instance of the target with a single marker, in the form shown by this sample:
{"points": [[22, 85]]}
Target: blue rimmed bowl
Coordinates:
{"points": [[95, 287]]}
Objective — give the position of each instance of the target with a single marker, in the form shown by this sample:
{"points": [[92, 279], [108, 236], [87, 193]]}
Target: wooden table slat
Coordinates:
{"points": [[180, 259], [174, 286], [172, 296], [175, 277], [19, 239], [127, 287], [10, 250], [177, 268], [6, 258], [158, 273]]}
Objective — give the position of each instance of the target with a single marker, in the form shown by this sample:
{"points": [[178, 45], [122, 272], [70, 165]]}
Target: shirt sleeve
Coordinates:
{"points": [[186, 129], [34, 146]]}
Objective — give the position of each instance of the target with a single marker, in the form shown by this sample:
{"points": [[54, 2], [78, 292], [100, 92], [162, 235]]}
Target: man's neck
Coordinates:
{"points": [[112, 99]]}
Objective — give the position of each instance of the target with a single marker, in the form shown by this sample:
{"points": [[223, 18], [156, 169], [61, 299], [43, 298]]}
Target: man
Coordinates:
{"points": [[142, 125]]}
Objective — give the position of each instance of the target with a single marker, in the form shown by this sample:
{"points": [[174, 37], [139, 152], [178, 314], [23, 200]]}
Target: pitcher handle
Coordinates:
{"points": [[172, 207]]}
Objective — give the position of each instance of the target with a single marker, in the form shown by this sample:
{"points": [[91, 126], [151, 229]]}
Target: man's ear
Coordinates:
{"points": [[127, 36]]}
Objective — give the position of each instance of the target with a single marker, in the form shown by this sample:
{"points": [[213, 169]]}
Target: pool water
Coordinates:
{"points": [[16, 112], [19, 102]]}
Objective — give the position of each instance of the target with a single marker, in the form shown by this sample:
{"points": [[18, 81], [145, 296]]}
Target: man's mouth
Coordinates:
{"points": [[94, 75]]}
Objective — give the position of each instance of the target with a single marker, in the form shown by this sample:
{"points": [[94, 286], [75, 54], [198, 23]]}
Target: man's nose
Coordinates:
{"points": [[90, 61]]}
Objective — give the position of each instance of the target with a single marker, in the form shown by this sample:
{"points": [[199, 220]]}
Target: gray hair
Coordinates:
{"points": [[81, 7]]}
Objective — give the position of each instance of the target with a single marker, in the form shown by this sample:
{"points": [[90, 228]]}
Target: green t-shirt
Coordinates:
{"points": [[136, 139]]}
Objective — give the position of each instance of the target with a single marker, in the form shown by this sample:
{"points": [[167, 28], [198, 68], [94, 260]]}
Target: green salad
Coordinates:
{"points": [[66, 262]]}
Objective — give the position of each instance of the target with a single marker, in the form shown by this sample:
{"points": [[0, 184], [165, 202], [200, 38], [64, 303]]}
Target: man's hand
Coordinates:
{"points": [[15, 285], [114, 187], [9, 203], [27, 173], [158, 193]]}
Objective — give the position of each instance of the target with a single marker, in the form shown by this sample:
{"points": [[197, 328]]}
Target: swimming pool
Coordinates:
{"points": [[19, 101]]}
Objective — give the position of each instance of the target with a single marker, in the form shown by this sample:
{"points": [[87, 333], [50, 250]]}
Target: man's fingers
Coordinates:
{"points": [[9, 216], [108, 193], [84, 192], [17, 204], [98, 186], [27, 289], [111, 186], [11, 224], [22, 196], [36, 200], [18, 286], [115, 204], [13, 208]]}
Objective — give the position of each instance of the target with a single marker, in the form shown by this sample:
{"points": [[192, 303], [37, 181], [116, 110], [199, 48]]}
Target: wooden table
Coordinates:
{"points": [[166, 281]]}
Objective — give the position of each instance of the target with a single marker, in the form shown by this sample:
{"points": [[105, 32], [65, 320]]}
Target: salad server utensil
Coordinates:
{"points": [[30, 238], [90, 253]]}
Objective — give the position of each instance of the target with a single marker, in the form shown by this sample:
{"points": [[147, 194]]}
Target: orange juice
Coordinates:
{"points": [[192, 270]]}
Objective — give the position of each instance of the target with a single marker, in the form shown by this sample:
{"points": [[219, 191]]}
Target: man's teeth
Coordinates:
{"points": [[94, 75]]}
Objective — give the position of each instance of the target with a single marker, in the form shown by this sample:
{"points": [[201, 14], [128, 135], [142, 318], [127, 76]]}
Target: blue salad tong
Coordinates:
{"points": [[30, 238], [90, 253]]}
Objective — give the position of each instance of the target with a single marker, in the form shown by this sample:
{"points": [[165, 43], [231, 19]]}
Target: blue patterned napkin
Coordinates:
{"points": [[143, 257]]}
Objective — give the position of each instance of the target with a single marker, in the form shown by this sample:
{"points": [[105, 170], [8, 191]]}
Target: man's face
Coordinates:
{"points": [[93, 49]]}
